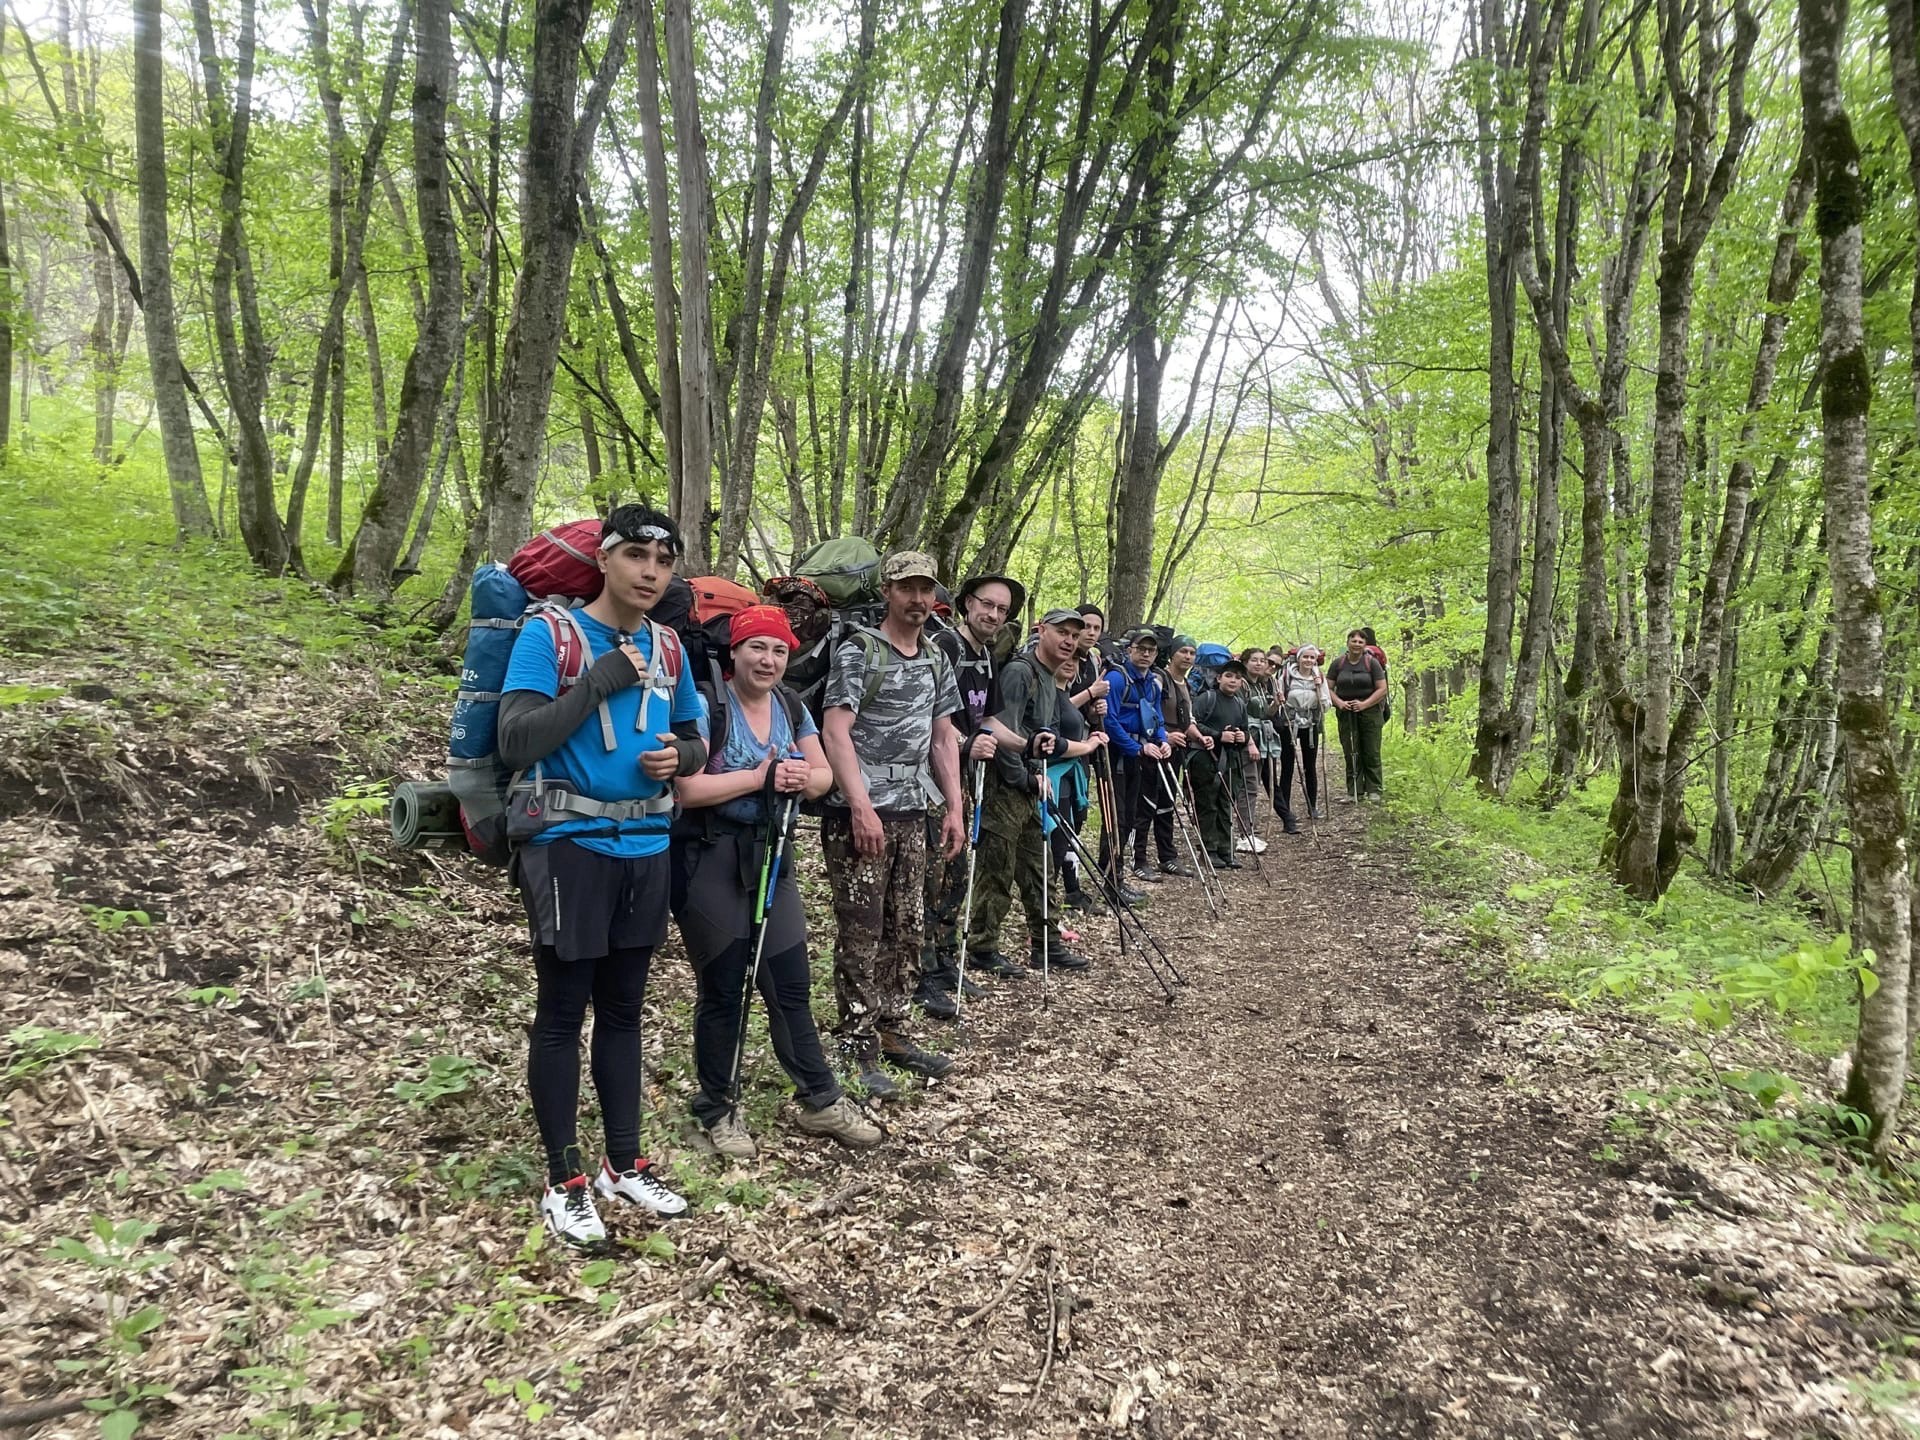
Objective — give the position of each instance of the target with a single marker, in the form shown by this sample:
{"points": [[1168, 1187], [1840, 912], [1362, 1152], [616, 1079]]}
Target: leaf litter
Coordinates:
{"points": [[270, 1170]]}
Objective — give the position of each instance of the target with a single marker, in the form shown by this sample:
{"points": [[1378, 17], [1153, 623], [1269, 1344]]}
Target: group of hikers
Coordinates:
{"points": [[951, 769]]}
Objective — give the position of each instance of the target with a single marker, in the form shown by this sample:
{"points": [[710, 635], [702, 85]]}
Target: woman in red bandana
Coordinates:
{"points": [[764, 749]]}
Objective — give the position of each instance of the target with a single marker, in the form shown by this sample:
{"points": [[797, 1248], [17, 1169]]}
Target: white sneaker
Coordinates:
{"points": [[730, 1136], [571, 1216], [641, 1188], [1250, 845]]}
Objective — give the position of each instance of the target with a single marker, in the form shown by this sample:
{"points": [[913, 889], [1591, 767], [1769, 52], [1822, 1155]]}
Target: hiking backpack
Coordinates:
{"points": [[501, 605], [846, 568]]}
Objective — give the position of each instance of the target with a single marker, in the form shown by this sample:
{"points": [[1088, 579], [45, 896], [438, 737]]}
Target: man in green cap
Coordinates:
{"points": [[1013, 845], [889, 735]]}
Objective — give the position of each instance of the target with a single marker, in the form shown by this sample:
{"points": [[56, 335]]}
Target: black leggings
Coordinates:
{"points": [[784, 983], [615, 984], [1309, 743]]}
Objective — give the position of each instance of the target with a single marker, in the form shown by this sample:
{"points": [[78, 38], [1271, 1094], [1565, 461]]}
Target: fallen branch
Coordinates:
{"points": [[702, 1284], [32, 1412], [1053, 1327], [1019, 1270], [805, 1301], [840, 1200]]}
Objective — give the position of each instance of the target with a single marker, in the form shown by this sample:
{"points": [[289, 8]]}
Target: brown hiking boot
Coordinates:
{"points": [[843, 1121]]}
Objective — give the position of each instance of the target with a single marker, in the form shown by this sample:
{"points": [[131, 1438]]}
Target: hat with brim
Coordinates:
{"points": [[1015, 606], [909, 565], [1063, 616], [1233, 667]]}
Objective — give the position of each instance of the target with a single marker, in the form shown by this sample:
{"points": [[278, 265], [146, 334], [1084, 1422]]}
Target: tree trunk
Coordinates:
{"points": [[347, 226], [559, 145], [1504, 220], [6, 315], [1644, 863], [696, 315], [945, 384], [659, 206], [369, 569], [1875, 801], [242, 347], [185, 485], [1730, 545]]}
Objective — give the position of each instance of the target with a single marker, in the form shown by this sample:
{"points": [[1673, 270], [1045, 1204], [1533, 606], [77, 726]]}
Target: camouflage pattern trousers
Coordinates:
{"points": [[877, 912], [1012, 855]]}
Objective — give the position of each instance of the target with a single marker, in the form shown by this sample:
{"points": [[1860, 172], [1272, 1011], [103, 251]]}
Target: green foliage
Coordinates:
{"points": [[445, 1076], [110, 921], [31, 1048]]}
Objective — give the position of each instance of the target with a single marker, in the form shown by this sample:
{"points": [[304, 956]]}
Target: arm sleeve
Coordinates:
{"points": [[1117, 732], [533, 724], [1016, 688], [847, 677]]}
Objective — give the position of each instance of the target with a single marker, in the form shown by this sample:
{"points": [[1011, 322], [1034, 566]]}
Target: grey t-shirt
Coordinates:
{"points": [[893, 734]]}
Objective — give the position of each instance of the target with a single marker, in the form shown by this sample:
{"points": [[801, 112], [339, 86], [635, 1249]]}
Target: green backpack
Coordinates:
{"points": [[847, 568]]}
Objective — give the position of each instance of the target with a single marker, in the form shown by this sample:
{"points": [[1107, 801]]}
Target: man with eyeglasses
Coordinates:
{"points": [[985, 604]]}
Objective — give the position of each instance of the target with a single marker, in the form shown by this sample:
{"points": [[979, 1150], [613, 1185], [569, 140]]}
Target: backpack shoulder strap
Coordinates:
{"points": [[572, 653], [794, 707], [876, 656]]}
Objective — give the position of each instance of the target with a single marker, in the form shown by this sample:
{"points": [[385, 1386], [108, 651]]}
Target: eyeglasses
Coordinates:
{"points": [[988, 605]]}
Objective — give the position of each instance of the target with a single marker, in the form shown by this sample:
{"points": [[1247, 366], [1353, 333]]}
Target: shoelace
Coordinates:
{"points": [[579, 1202]]}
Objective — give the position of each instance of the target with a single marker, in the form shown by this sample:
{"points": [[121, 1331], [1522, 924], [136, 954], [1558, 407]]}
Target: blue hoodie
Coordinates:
{"points": [[1133, 708]]}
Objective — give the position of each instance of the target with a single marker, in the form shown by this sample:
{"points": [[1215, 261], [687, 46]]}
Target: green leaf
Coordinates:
{"points": [[596, 1274], [141, 1322], [1869, 983], [119, 1425]]}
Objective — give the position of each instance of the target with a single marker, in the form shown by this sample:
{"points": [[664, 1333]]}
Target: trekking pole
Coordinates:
{"points": [[1125, 918], [1046, 898], [1108, 803], [1180, 824], [776, 849], [1255, 845], [966, 908]]}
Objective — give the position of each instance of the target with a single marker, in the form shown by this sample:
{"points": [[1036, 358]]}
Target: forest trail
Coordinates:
{"points": [[1340, 1188], [1304, 1201]]}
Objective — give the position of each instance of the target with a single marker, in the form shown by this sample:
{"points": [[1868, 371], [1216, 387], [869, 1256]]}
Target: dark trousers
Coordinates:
{"points": [[784, 984], [1116, 827], [1360, 744], [1305, 746], [614, 985], [1155, 811]]}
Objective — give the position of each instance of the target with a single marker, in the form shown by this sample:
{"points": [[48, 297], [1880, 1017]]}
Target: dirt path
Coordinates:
{"points": [[1302, 1201]]}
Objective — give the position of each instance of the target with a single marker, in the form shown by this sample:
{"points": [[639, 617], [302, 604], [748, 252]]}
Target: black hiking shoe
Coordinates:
{"points": [[996, 965], [864, 1069], [934, 1001], [1175, 867], [901, 1053], [1058, 957], [1144, 873]]}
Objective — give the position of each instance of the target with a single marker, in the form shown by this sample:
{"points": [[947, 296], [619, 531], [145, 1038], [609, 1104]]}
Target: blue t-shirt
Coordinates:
{"points": [[584, 764], [744, 750]]}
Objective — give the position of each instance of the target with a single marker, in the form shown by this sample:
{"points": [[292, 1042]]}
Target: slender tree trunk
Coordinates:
{"points": [[347, 226], [241, 345], [369, 570], [6, 319], [1504, 221], [185, 485], [666, 307], [559, 145], [1875, 799], [696, 316]]}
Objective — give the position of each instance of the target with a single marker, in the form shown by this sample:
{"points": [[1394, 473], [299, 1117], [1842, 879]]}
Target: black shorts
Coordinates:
{"points": [[585, 904]]}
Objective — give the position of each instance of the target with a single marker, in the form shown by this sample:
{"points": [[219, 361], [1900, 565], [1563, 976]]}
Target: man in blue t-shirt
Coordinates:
{"points": [[599, 712]]}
